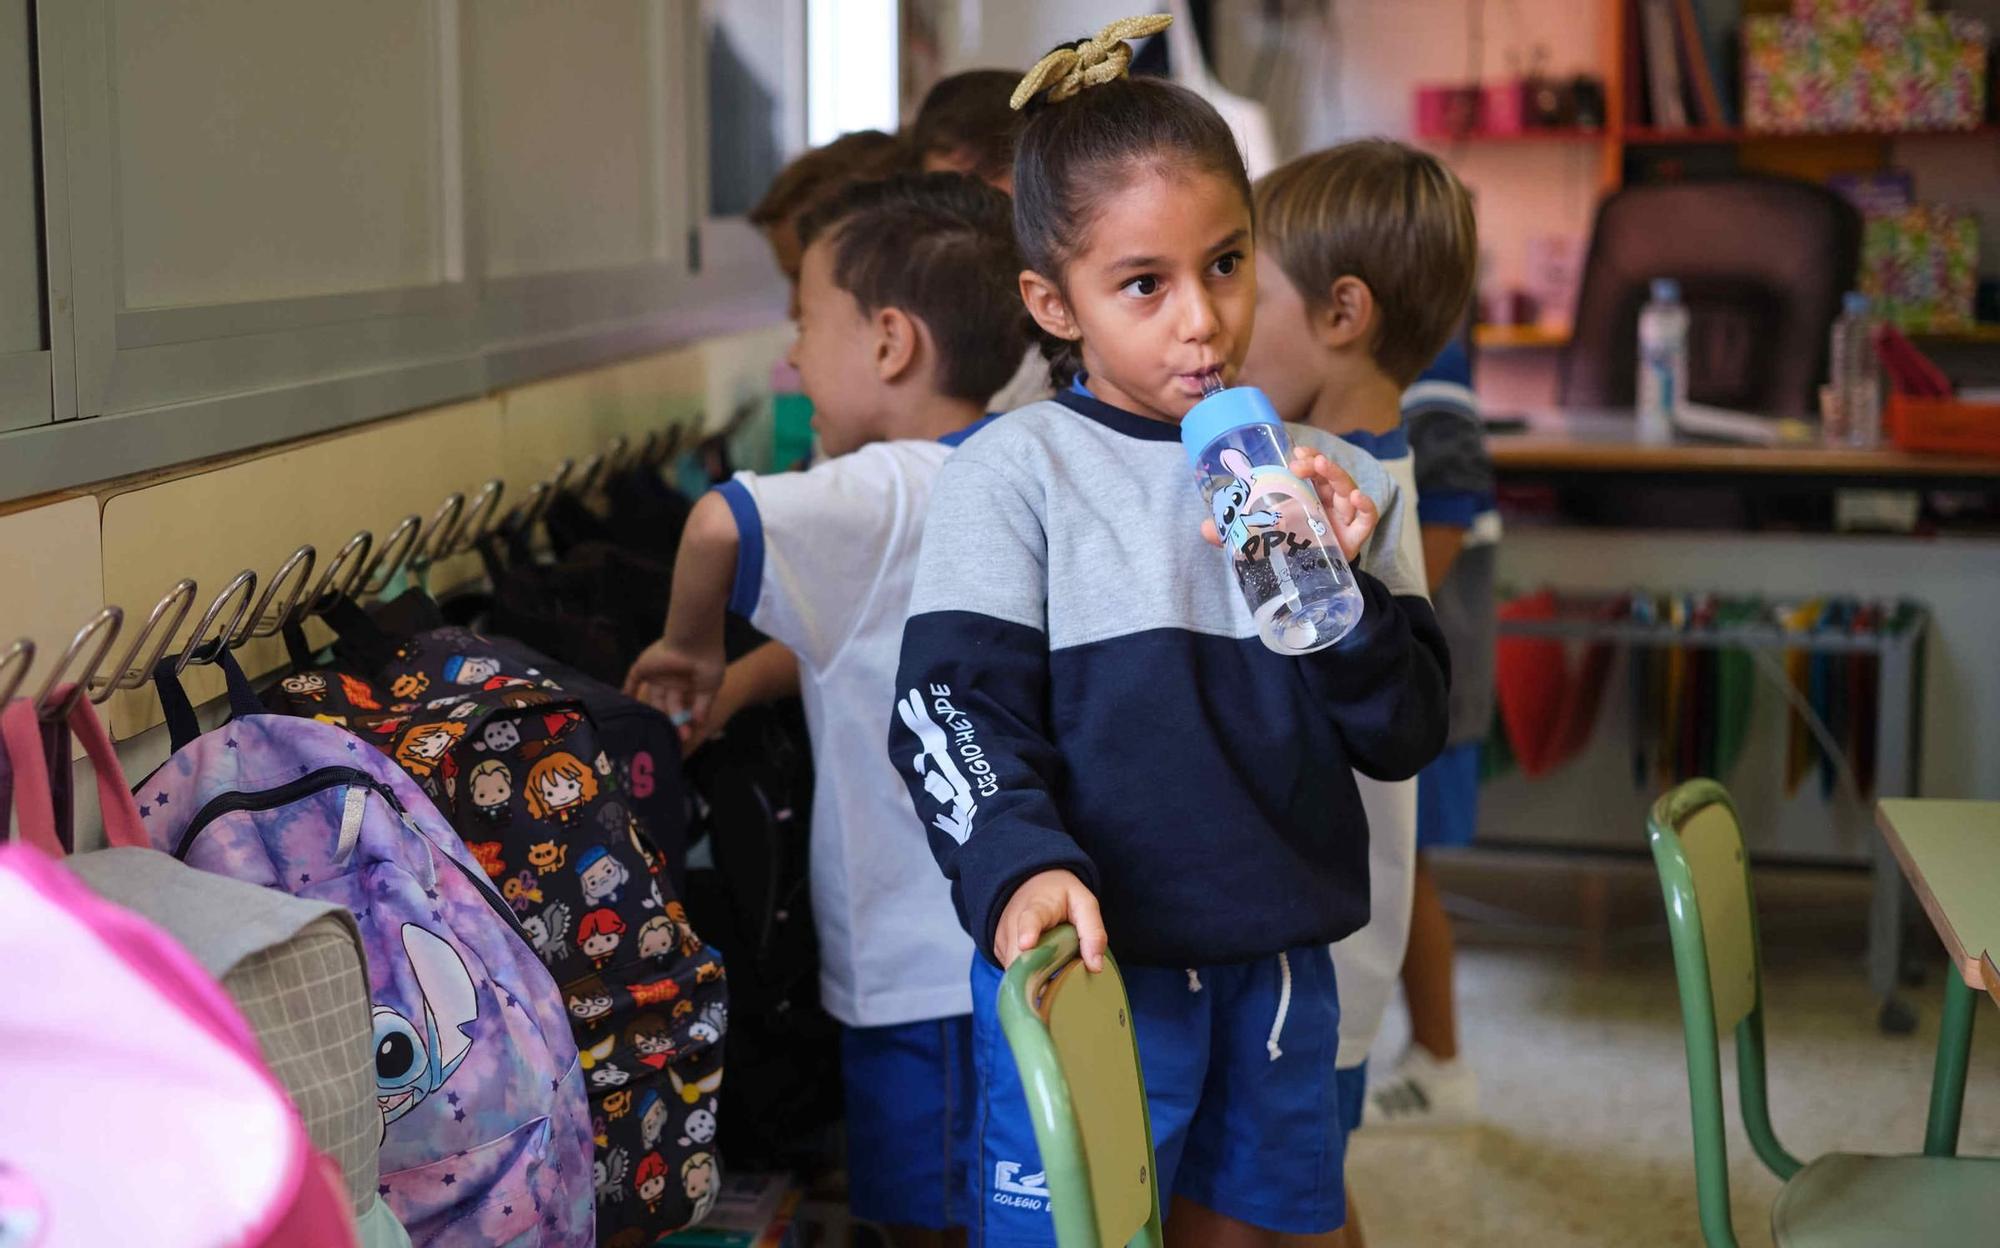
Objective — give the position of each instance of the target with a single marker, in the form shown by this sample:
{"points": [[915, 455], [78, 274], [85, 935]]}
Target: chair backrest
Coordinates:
{"points": [[1762, 263], [1697, 844], [1072, 1036]]}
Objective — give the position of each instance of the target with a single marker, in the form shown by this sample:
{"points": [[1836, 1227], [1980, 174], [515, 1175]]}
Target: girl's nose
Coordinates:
{"points": [[1198, 319]]}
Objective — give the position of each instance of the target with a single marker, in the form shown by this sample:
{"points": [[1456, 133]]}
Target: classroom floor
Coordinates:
{"points": [[1585, 1137]]}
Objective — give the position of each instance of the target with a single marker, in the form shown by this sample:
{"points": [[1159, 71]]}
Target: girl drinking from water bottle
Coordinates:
{"points": [[1090, 728]]}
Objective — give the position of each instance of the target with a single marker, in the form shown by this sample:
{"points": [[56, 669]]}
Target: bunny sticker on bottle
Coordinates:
{"points": [[1292, 576]]}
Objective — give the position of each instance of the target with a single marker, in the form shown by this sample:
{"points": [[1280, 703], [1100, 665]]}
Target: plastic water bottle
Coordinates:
{"points": [[1853, 412], [1663, 357], [1274, 534]]}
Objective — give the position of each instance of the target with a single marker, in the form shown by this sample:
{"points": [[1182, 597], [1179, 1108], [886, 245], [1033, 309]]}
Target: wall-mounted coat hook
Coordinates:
{"points": [[481, 517], [293, 575], [243, 588], [103, 628], [443, 531], [331, 588], [14, 665], [396, 551], [131, 671]]}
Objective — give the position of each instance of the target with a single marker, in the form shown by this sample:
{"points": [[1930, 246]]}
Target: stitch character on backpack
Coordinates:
{"points": [[413, 1063]]}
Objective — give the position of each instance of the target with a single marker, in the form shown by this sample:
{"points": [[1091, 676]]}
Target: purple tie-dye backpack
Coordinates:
{"points": [[486, 1128]]}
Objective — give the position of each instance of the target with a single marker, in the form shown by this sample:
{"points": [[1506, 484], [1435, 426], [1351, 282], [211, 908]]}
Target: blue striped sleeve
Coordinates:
{"points": [[1456, 508], [749, 584]]}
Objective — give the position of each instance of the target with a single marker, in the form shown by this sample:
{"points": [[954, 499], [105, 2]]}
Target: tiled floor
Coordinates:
{"points": [[1585, 1139]]}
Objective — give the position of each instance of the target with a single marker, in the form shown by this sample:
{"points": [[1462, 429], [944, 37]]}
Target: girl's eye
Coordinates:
{"points": [[1225, 266], [1143, 286]]}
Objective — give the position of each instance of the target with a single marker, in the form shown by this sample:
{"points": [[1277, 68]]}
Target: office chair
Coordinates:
{"points": [[1762, 263]]}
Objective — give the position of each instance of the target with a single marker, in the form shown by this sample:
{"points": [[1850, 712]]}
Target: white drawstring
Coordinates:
{"points": [[1194, 980], [1284, 1006]]}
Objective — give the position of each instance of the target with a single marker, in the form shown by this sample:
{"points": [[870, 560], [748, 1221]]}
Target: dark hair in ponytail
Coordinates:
{"points": [[1071, 154]]}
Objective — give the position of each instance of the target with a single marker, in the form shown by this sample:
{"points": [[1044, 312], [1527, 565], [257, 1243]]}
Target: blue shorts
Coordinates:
{"points": [[1448, 798], [1353, 1095], [910, 1101], [1253, 1136]]}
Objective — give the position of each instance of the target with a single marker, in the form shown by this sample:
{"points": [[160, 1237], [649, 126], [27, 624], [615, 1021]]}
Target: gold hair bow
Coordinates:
{"points": [[1088, 63]]}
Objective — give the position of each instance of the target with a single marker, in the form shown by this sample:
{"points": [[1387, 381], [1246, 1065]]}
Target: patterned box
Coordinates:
{"points": [[1924, 73], [1920, 266]]}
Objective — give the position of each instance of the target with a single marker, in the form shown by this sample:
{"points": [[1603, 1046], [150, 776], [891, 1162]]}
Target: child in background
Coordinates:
{"points": [[908, 318], [1138, 748], [1366, 262], [1432, 1085], [813, 177], [967, 124]]}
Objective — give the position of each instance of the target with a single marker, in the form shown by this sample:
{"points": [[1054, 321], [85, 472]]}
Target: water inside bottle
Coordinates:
{"points": [[1300, 604]]}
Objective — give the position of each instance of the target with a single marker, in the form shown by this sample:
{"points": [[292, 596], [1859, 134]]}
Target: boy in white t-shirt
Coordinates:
{"points": [[909, 317]]}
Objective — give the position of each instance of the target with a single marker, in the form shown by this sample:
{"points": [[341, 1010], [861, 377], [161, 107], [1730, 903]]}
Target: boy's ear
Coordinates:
{"points": [[1047, 305], [1348, 317], [897, 338]]}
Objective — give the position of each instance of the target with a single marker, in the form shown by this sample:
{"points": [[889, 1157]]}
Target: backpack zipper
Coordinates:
{"points": [[318, 781]]}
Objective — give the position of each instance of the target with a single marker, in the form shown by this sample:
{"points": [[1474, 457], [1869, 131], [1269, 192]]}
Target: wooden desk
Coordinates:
{"points": [[1950, 852], [1570, 441]]}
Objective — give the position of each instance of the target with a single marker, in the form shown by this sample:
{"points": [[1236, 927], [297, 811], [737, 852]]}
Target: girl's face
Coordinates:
{"points": [[559, 790], [1162, 293]]}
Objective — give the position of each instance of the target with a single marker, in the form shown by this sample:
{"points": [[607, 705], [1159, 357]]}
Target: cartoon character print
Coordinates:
{"points": [[700, 1125], [488, 855], [491, 787], [599, 935], [498, 736], [523, 892], [357, 693], [589, 1056], [470, 669], [652, 1181], [309, 685], [659, 937], [338, 721], [652, 1118], [589, 999], [657, 991], [693, 1092], [652, 1041], [709, 1030], [559, 785], [410, 685], [420, 749], [1232, 522], [603, 877], [690, 943], [609, 1075], [548, 932], [610, 1170], [548, 856], [412, 1062], [618, 1104], [698, 1180], [522, 699]]}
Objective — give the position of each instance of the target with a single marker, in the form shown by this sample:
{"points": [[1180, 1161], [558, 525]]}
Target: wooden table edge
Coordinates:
{"points": [[1971, 966]]}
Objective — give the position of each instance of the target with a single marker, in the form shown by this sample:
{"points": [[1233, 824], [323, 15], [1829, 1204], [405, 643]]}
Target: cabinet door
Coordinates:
{"points": [[25, 396], [264, 209]]}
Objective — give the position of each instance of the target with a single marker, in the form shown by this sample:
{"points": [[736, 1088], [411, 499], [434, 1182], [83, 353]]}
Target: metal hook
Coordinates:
{"points": [[481, 516], [264, 622], [593, 468], [437, 540], [521, 518], [614, 452], [131, 671], [196, 652], [325, 594], [19, 658], [108, 622], [402, 540]]}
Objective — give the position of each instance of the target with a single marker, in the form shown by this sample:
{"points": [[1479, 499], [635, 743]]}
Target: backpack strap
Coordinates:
{"points": [[182, 726], [34, 794]]}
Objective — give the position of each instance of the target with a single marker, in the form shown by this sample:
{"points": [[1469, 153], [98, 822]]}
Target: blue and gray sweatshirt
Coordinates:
{"points": [[1083, 688]]}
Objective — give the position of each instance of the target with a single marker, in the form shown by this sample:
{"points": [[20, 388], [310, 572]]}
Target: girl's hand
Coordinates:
{"points": [[1351, 513], [1048, 900]]}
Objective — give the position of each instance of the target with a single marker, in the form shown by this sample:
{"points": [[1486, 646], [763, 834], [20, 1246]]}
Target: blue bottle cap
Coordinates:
{"points": [[1666, 290], [1225, 410]]}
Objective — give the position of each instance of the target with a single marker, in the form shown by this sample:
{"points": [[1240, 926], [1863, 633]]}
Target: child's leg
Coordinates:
{"points": [[1427, 968], [1192, 1226], [910, 1096]]}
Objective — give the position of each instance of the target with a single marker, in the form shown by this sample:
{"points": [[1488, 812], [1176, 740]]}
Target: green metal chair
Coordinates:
{"points": [[1839, 1199], [1072, 1037]]}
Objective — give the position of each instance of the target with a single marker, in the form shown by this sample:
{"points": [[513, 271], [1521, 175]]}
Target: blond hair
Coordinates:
{"points": [[1389, 215]]}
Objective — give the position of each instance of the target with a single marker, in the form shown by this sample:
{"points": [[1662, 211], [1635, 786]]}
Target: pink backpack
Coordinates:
{"points": [[106, 1020]]}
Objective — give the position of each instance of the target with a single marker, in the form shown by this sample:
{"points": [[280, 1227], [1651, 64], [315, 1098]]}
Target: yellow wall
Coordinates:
{"points": [[127, 542]]}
